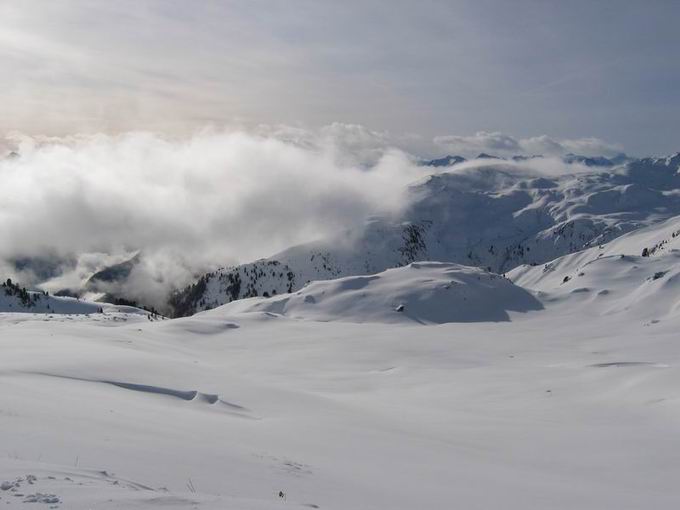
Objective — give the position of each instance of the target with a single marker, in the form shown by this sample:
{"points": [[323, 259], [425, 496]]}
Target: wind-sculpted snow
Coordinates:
{"points": [[422, 292], [492, 214]]}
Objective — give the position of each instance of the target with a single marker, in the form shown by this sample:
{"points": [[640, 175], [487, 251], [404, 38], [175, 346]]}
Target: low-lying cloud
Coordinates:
{"points": [[189, 205], [501, 144]]}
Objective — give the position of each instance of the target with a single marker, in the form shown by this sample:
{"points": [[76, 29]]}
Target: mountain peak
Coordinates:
{"points": [[444, 161]]}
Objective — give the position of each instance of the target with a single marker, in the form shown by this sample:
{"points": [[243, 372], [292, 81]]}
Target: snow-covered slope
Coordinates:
{"points": [[422, 292], [17, 299], [14, 298], [638, 273], [553, 409], [488, 213]]}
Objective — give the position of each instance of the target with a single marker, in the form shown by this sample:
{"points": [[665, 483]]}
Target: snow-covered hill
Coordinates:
{"points": [[489, 213], [637, 274], [16, 299], [422, 292]]}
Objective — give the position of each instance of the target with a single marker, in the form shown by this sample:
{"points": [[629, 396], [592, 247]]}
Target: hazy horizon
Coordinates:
{"points": [[416, 73]]}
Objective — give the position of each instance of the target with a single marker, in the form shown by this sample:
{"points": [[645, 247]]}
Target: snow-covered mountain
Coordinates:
{"points": [[17, 299], [444, 161], [590, 161], [638, 273], [490, 213]]}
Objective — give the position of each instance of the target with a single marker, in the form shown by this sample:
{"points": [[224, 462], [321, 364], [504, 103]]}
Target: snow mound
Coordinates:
{"points": [[422, 292]]}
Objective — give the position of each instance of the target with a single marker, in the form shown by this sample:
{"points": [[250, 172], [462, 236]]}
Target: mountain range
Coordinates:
{"points": [[489, 212]]}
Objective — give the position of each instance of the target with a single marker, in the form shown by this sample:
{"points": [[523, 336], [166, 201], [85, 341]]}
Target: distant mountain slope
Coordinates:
{"points": [[638, 273], [14, 298], [17, 299], [112, 274], [491, 213], [422, 292], [444, 161]]}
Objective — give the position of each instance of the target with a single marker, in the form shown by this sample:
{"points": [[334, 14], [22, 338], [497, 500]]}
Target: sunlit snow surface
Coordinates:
{"points": [[567, 399]]}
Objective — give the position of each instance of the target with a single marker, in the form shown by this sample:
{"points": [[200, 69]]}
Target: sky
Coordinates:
{"points": [[427, 76]]}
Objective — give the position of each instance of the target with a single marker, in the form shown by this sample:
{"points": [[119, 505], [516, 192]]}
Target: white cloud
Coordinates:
{"points": [[482, 141], [195, 203], [501, 144]]}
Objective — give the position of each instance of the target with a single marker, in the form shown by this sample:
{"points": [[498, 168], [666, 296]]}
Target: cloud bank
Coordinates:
{"points": [[502, 144], [192, 204]]}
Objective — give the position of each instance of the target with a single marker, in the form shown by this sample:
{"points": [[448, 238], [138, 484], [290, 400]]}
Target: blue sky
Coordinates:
{"points": [[570, 70]]}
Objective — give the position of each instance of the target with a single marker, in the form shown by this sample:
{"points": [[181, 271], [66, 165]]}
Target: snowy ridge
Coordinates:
{"points": [[489, 213], [16, 299]]}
